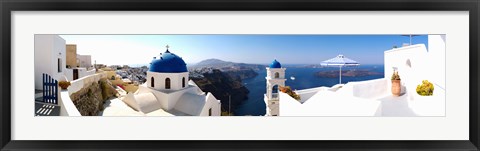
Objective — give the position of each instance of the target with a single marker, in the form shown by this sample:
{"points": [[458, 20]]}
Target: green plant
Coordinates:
{"points": [[289, 91], [64, 84], [395, 75], [425, 89]]}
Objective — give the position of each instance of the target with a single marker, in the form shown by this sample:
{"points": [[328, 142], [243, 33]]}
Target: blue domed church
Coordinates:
{"points": [[168, 72], [169, 92]]}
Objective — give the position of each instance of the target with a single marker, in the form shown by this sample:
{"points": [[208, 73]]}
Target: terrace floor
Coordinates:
{"points": [[46, 109]]}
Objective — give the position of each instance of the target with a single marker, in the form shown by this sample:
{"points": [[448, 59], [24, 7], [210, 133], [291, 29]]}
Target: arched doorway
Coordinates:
{"points": [[277, 75], [183, 82], [152, 82], [167, 83]]}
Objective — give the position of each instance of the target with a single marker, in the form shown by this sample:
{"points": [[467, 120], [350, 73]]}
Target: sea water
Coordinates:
{"points": [[304, 78]]}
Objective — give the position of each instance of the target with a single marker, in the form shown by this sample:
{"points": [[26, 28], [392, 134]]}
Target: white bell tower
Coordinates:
{"points": [[275, 78]]}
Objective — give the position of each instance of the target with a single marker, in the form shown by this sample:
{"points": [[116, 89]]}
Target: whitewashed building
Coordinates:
{"points": [[169, 92], [84, 68], [373, 97], [49, 58], [84, 61]]}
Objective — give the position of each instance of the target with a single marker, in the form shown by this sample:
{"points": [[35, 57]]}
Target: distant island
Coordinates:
{"points": [[347, 73], [235, 70]]}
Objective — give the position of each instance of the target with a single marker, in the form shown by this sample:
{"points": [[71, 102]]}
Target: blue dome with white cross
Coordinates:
{"points": [[168, 63]]}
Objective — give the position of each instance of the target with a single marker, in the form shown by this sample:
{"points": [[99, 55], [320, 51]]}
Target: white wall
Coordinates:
{"points": [[59, 51], [371, 88], [437, 59], [271, 72], [84, 81], [412, 75], [272, 81], [425, 64], [82, 72], [67, 108], [167, 100], [48, 48], [272, 106], [84, 60], [175, 80], [69, 74], [43, 50], [211, 103], [306, 94]]}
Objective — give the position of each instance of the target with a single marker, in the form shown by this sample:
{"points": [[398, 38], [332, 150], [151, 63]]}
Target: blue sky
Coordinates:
{"points": [[260, 49]]}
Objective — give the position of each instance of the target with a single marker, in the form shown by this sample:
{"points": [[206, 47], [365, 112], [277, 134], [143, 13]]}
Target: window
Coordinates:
{"points": [[59, 64], [167, 83], [183, 82], [210, 112], [275, 91], [152, 82], [277, 75]]}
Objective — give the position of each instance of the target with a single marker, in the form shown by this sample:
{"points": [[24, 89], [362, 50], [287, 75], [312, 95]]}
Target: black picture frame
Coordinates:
{"points": [[7, 6]]}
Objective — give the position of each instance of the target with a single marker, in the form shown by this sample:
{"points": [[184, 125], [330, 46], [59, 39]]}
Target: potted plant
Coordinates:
{"points": [[425, 89], [64, 84], [396, 86]]}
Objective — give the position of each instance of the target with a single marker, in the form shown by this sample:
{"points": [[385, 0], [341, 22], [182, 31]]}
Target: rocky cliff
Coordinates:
{"points": [[242, 74], [222, 86], [241, 70]]}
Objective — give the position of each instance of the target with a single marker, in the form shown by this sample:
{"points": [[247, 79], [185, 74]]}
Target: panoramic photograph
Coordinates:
{"points": [[240, 75]]}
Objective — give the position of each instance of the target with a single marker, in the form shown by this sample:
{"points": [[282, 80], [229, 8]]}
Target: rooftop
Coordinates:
{"points": [[354, 99], [275, 64], [168, 63]]}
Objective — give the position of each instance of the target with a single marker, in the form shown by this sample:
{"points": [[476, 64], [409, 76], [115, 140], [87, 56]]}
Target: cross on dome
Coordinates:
{"points": [[167, 49]]}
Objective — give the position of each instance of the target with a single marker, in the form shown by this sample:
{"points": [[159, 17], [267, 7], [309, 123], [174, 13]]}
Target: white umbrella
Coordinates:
{"points": [[339, 61]]}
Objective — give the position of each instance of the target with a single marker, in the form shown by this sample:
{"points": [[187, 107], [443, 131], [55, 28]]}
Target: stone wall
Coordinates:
{"points": [[90, 99]]}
